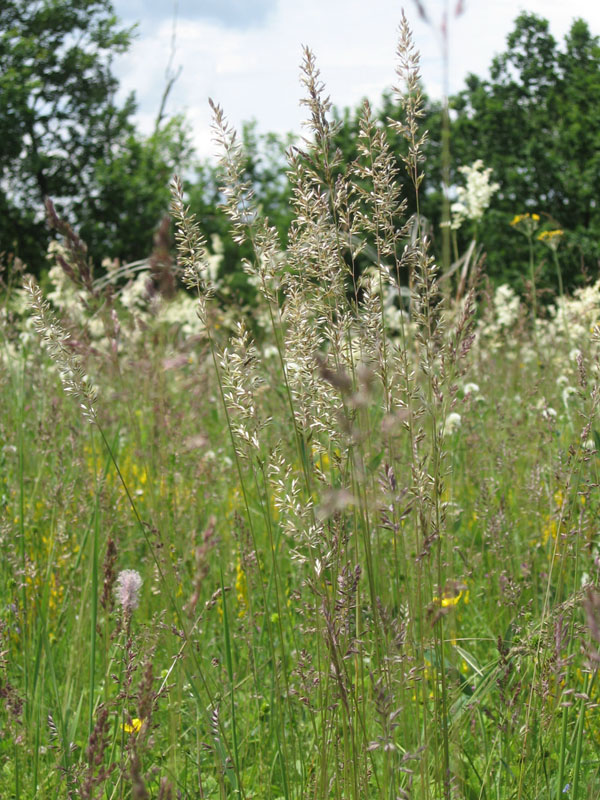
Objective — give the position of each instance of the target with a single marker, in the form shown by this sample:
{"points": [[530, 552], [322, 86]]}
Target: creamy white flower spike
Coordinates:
{"points": [[474, 198]]}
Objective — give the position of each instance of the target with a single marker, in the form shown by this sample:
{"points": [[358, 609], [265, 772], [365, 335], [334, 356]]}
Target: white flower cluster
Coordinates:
{"points": [[578, 315], [70, 301], [474, 198], [507, 306], [504, 313], [64, 295], [135, 295], [571, 325], [182, 311]]}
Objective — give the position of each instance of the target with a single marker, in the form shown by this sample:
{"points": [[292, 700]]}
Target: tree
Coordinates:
{"points": [[62, 134], [536, 122], [130, 192]]}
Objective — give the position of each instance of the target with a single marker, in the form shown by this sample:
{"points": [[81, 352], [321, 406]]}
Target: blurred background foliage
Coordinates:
{"points": [[534, 119]]}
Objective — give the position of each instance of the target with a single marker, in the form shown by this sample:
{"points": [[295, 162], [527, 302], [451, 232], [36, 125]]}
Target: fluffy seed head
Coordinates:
{"points": [[129, 583]]}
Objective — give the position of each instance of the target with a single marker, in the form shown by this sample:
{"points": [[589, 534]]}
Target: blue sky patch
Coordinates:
{"points": [[237, 14]]}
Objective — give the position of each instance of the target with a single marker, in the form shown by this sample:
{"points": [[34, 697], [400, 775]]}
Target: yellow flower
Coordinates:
{"points": [[528, 222], [448, 600], [547, 236], [550, 529], [241, 589], [551, 238], [135, 726]]}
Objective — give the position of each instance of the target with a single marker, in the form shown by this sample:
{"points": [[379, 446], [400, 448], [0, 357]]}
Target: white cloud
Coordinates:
{"points": [[253, 73]]}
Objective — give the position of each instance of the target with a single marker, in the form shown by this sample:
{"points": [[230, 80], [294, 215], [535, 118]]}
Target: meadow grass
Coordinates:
{"points": [[366, 530]]}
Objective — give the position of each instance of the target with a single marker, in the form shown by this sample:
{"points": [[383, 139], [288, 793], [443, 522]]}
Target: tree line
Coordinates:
{"points": [[534, 119]]}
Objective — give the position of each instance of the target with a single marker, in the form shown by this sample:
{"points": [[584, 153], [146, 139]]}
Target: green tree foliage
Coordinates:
{"points": [[63, 136], [130, 192], [536, 121]]}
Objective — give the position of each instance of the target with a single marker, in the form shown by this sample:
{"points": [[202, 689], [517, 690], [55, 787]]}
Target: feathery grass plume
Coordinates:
{"points": [[319, 195], [315, 311], [192, 253], [97, 772], [248, 225], [410, 97], [55, 340], [319, 106], [77, 265], [296, 337], [380, 211], [376, 183], [239, 196], [165, 790], [241, 384], [108, 571], [320, 231]]}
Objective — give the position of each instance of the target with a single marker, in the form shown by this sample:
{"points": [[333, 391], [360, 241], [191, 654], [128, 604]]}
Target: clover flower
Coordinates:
{"points": [[452, 423], [471, 390], [127, 589]]}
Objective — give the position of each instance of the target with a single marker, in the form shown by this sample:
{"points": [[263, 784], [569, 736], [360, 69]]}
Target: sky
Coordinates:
{"points": [[246, 54]]}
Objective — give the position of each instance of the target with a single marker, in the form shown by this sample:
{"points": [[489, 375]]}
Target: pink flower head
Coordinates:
{"points": [[129, 583]]}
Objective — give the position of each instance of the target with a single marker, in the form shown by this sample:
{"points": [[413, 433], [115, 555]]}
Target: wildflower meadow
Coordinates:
{"points": [[336, 541]]}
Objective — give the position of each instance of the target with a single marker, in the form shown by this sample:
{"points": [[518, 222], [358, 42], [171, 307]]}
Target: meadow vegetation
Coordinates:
{"points": [[340, 542]]}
